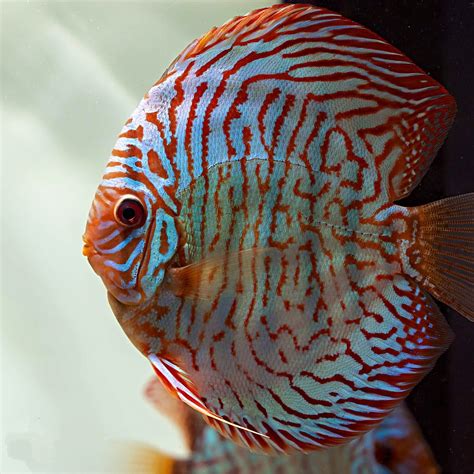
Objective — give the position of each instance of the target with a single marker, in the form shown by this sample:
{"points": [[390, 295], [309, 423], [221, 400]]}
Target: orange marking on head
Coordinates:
{"points": [[131, 150], [133, 133]]}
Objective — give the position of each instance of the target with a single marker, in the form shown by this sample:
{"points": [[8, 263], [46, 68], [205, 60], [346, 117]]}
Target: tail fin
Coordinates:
{"points": [[134, 458], [445, 241]]}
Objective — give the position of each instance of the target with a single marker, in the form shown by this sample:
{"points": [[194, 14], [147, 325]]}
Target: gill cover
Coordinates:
{"points": [[131, 258]]}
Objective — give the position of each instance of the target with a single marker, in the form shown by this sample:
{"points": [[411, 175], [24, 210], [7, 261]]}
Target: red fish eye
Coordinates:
{"points": [[130, 212]]}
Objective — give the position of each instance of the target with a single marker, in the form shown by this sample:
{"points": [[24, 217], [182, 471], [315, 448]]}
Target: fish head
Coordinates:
{"points": [[131, 233]]}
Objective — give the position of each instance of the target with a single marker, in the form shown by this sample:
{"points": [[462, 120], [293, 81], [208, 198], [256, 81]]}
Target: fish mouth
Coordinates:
{"points": [[87, 249]]}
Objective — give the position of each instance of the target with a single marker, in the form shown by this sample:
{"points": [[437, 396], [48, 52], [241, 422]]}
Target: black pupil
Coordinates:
{"points": [[129, 214]]}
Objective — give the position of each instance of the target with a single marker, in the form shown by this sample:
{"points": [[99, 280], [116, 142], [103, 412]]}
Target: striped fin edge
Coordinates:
{"points": [[179, 384]]}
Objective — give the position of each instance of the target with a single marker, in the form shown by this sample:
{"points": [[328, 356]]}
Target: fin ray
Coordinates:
{"points": [[445, 252], [178, 383], [197, 280]]}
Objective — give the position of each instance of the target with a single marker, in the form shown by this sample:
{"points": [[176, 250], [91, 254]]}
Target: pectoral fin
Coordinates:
{"points": [[228, 271]]}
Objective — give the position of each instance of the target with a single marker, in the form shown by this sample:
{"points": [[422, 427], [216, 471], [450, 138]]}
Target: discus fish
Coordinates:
{"points": [[395, 446], [247, 233]]}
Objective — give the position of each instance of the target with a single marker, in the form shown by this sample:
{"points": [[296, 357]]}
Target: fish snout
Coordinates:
{"points": [[87, 250]]}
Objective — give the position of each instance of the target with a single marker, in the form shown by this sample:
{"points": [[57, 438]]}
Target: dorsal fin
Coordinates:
{"points": [[240, 26], [340, 92]]}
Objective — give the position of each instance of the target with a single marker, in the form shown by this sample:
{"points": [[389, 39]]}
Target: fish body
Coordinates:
{"points": [[247, 232], [396, 446]]}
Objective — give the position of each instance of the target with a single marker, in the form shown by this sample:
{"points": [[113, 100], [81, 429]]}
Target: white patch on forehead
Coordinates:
{"points": [[160, 96], [157, 101]]}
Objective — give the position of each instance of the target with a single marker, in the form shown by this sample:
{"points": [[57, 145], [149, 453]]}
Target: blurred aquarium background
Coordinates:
{"points": [[72, 72]]}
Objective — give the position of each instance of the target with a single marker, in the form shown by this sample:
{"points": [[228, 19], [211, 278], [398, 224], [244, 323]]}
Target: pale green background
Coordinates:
{"points": [[72, 72]]}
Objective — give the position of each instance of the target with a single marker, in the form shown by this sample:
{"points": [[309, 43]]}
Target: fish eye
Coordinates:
{"points": [[130, 212]]}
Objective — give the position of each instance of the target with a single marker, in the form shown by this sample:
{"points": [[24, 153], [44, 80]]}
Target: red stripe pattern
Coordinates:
{"points": [[289, 131]]}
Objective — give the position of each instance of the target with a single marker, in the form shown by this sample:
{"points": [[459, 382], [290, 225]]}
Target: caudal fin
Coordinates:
{"points": [[133, 458], [445, 251]]}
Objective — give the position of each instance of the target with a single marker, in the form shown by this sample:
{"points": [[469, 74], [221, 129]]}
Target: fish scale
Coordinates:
{"points": [[330, 314], [272, 269]]}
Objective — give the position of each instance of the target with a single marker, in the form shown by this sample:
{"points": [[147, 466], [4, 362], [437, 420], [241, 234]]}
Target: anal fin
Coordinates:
{"points": [[180, 385]]}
